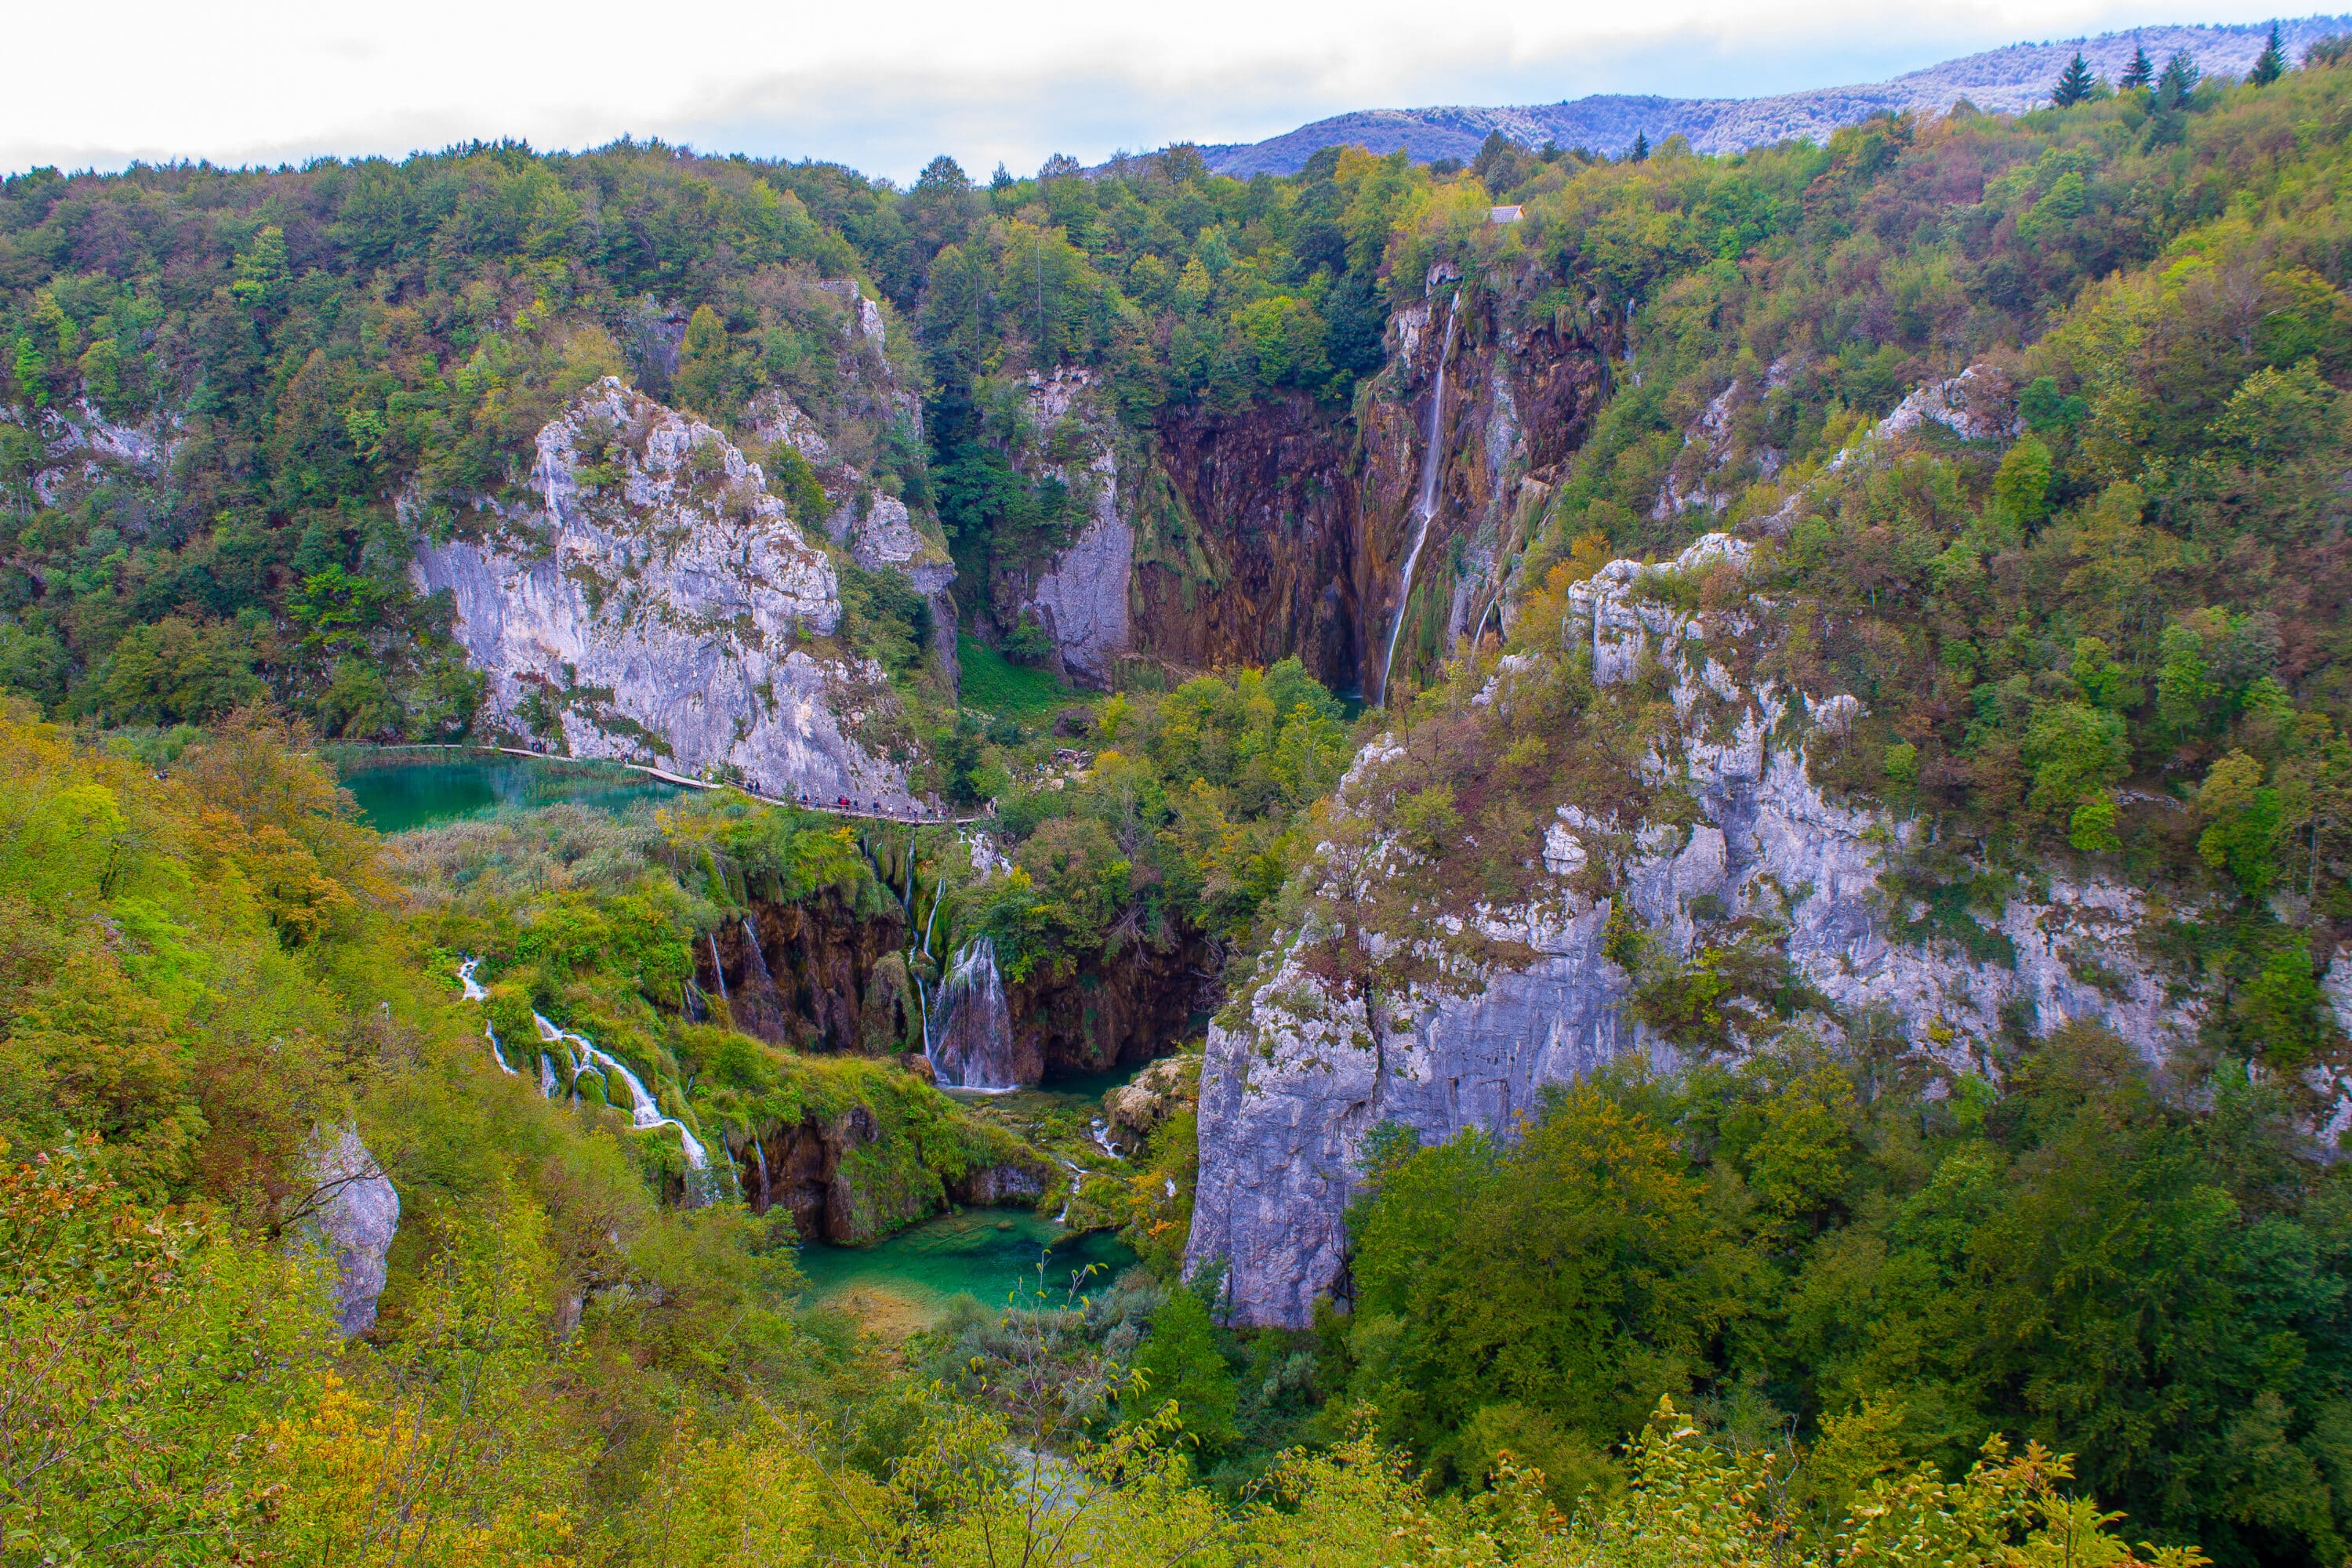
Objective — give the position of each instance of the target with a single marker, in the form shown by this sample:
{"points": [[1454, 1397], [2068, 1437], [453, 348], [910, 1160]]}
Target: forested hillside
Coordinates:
{"points": [[1810, 1026]]}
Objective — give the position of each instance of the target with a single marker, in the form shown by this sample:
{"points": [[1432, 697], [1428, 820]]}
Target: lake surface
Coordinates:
{"points": [[992, 1255], [395, 797]]}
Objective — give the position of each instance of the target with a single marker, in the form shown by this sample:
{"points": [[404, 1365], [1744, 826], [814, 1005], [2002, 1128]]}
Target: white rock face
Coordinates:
{"points": [[79, 446], [1289, 1090], [659, 599], [354, 1209], [1082, 601]]}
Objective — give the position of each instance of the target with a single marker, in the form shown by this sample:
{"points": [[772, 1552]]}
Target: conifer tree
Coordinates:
{"points": [[2180, 80], [1641, 152], [2271, 64], [2141, 73], [2073, 84]]}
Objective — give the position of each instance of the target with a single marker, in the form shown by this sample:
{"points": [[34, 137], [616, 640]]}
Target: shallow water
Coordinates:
{"points": [[992, 1255], [398, 796]]}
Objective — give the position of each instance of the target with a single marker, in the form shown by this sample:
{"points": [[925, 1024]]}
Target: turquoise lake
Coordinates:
{"points": [[397, 796], [992, 1255]]}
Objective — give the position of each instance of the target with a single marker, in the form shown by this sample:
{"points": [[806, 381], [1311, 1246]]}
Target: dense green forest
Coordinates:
{"points": [[1810, 1300]]}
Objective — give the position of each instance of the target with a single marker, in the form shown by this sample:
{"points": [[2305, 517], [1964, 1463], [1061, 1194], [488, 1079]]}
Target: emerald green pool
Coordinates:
{"points": [[396, 796], [992, 1255]]}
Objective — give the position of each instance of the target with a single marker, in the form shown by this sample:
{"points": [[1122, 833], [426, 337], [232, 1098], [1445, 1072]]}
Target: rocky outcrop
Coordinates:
{"points": [[1139, 1107], [810, 1170], [355, 1210], [846, 1182], [658, 606], [81, 448], [1300, 1070]]}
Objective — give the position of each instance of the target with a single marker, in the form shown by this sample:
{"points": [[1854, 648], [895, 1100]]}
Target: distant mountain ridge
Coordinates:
{"points": [[2005, 81]]}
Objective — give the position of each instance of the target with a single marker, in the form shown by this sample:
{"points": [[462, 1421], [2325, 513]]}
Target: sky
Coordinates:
{"points": [[884, 88]]}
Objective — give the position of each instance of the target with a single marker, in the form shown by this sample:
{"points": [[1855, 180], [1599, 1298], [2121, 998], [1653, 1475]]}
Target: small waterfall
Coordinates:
{"points": [[644, 1112], [718, 968], [1424, 506], [760, 1157], [972, 1048], [1100, 1132], [760, 1010], [1077, 1174], [548, 1085], [474, 993]]}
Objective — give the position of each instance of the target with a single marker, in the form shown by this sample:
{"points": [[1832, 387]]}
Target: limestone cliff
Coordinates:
{"points": [[657, 605], [1301, 1068]]}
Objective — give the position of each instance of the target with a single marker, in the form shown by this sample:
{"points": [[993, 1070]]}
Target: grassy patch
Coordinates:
{"points": [[1007, 690]]}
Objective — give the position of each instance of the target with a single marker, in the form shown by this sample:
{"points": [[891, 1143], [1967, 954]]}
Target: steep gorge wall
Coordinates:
{"points": [[658, 604], [1245, 536], [1253, 559]]}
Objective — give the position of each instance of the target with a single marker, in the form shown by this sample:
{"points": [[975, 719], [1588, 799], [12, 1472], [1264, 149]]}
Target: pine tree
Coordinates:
{"points": [[2180, 80], [2073, 84], [2142, 71], [1641, 152], [2271, 64]]}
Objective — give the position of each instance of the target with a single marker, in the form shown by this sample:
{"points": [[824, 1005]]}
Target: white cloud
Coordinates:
{"points": [[884, 88]]}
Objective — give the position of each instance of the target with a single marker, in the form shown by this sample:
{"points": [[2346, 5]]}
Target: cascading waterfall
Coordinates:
{"points": [[716, 967], [474, 993], [1424, 506], [972, 1046], [644, 1112]]}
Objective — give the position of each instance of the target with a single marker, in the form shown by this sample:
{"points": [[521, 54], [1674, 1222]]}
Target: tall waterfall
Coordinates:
{"points": [[1424, 505], [970, 1046], [718, 968]]}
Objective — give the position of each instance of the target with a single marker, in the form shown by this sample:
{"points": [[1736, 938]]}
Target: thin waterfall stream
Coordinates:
{"points": [[584, 1056], [1424, 506]]}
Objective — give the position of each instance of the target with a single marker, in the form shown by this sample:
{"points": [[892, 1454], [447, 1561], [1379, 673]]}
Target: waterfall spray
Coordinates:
{"points": [[1424, 506]]}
